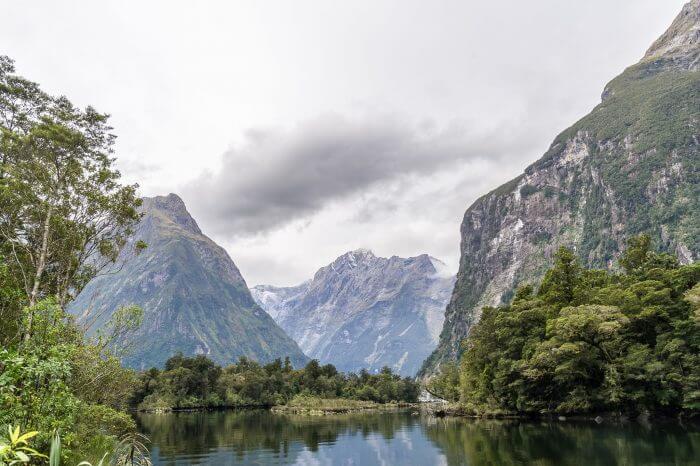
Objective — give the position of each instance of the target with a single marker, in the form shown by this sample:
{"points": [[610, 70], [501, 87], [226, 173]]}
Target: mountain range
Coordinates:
{"points": [[630, 166], [363, 311]]}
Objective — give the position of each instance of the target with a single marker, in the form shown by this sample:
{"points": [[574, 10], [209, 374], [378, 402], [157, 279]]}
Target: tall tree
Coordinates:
{"points": [[64, 215]]}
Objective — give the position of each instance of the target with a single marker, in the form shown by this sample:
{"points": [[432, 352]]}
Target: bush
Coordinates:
{"points": [[528, 190]]}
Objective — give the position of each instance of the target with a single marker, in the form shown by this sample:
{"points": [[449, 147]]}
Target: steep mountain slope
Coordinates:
{"points": [[194, 298], [364, 311], [276, 300], [631, 166]]}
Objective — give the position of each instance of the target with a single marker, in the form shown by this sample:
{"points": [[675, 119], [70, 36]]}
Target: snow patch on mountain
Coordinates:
{"points": [[364, 311]]}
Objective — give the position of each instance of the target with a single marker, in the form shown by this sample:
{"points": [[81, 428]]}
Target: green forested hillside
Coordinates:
{"points": [[631, 166], [590, 340]]}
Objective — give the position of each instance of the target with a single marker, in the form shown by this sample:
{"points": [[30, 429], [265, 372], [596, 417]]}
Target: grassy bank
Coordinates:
{"points": [[324, 406]]}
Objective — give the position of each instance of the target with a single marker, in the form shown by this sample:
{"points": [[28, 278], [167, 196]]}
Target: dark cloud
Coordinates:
{"points": [[277, 177]]}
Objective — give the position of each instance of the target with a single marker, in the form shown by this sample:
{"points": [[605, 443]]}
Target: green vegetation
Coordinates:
{"points": [[446, 383], [590, 341], [637, 172], [528, 190], [56, 380], [643, 130], [64, 217], [15, 449], [198, 382], [303, 404]]}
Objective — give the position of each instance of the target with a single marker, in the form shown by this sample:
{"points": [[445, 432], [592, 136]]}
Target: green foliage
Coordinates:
{"points": [[198, 382], [64, 216], [129, 451], [56, 380], [446, 383], [591, 340], [11, 301], [640, 175], [15, 448]]}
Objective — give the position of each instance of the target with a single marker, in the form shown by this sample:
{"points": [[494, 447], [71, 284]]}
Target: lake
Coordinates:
{"points": [[259, 437]]}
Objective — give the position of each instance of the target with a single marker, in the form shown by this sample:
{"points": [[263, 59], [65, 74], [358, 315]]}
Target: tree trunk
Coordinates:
{"points": [[41, 265]]}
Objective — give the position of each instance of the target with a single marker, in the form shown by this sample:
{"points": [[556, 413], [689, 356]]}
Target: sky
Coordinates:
{"points": [[298, 130]]}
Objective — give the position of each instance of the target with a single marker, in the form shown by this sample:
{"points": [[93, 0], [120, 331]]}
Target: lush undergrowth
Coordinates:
{"points": [[588, 341], [198, 382], [57, 381]]}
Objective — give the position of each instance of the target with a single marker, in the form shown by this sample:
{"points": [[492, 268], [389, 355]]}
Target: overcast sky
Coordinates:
{"points": [[298, 130]]}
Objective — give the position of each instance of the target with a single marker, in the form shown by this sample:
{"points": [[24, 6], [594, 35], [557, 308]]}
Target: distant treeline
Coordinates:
{"points": [[187, 382], [587, 341]]}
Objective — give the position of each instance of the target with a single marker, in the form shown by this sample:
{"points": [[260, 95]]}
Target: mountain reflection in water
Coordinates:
{"points": [[258, 437]]}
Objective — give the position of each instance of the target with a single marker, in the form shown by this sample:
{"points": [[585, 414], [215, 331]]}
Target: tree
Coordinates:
{"points": [[636, 254], [446, 383], [64, 216], [559, 283]]}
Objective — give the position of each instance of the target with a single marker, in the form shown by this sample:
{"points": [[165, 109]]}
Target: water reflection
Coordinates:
{"points": [[476, 442], [261, 437]]}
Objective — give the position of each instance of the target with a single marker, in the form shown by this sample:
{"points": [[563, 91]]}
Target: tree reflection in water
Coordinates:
{"points": [[492, 442], [261, 437]]}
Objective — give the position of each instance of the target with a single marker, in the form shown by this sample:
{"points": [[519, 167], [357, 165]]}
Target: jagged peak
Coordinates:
{"points": [[353, 258], [680, 44], [174, 208], [362, 252]]}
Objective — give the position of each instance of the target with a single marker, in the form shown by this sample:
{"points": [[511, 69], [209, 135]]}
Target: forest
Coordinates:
{"points": [[188, 382], [587, 341]]}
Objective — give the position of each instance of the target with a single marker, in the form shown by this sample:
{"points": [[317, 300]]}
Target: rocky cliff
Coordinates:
{"points": [[631, 166], [364, 311], [193, 296]]}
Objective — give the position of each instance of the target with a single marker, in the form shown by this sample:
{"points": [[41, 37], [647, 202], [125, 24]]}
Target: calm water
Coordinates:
{"points": [[259, 437]]}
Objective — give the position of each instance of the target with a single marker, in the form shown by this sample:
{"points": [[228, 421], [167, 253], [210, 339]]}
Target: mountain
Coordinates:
{"points": [[193, 296], [631, 166], [364, 311]]}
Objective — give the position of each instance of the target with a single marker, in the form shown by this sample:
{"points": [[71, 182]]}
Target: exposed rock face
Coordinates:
{"points": [[364, 311], [631, 166], [193, 296], [680, 45]]}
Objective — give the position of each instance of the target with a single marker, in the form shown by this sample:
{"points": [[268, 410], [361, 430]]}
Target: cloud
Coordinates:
{"points": [[277, 177]]}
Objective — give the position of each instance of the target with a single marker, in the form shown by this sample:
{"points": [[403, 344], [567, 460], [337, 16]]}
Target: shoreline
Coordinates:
{"points": [[433, 409], [457, 411], [341, 408]]}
